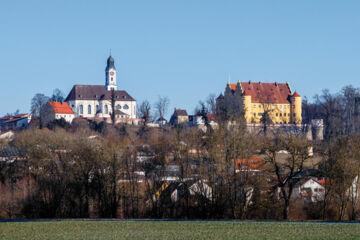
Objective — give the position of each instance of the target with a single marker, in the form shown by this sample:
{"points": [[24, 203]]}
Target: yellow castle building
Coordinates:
{"points": [[276, 99]]}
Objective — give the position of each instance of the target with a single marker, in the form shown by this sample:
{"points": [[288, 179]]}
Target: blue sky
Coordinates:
{"points": [[184, 49]]}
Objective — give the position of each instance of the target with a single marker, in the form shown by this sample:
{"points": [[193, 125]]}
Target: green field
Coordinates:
{"points": [[176, 230]]}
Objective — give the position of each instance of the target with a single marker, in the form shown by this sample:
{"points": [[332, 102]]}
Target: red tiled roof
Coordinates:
{"points": [[265, 92], [62, 108], [212, 117], [251, 164], [296, 94]]}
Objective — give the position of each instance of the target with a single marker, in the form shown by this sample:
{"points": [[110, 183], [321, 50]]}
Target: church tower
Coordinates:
{"points": [[110, 75]]}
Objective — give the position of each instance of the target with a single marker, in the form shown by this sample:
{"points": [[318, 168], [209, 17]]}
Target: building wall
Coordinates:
{"points": [[75, 106], [68, 117]]}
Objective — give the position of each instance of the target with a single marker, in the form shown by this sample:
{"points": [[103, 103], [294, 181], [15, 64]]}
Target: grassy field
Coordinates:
{"points": [[176, 230]]}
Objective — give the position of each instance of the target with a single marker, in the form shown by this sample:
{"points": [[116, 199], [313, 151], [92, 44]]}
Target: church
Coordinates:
{"points": [[94, 101]]}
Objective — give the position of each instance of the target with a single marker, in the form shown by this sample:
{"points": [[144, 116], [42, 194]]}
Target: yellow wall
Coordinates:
{"points": [[296, 109], [278, 113]]}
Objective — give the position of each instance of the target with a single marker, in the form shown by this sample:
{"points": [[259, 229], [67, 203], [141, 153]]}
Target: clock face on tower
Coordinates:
{"points": [[111, 73]]}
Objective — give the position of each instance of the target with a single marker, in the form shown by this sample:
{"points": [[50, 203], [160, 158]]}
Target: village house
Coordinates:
{"points": [[58, 110], [179, 116], [310, 190], [19, 121]]}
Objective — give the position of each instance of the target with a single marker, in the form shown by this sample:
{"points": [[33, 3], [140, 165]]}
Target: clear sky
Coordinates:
{"points": [[184, 49]]}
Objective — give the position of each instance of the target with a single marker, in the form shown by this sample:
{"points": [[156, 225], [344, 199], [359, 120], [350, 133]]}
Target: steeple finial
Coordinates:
{"points": [[110, 52]]}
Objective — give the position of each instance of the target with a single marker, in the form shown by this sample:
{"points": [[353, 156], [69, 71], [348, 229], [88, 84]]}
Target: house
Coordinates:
{"points": [[311, 189], [179, 116], [252, 164], [58, 110], [161, 121], [18, 121], [276, 99], [192, 189], [199, 121]]}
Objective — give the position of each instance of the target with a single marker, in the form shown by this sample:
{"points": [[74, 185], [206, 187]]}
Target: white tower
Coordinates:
{"points": [[110, 75]]}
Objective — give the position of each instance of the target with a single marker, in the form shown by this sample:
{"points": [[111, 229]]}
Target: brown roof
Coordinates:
{"points": [[8, 119], [180, 112], [265, 92], [96, 92], [61, 107]]}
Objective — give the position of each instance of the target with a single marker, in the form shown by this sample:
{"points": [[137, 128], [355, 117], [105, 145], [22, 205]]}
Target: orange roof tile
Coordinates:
{"points": [[251, 164], [59, 107], [296, 94]]}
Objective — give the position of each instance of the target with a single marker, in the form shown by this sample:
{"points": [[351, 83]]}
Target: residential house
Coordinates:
{"points": [[18, 121], [58, 110], [179, 116]]}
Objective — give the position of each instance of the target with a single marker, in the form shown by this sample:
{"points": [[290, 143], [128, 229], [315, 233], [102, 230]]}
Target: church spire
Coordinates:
{"points": [[110, 74]]}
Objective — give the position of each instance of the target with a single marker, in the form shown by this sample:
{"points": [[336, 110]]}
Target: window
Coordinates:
{"points": [[294, 114], [81, 109], [89, 109], [259, 106], [254, 105], [293, 106], [277, 114], [97, 108], [126, 106], [254, 114], [112, 78], [106, 109], [118, 107], [260, 114], [280, 114]]}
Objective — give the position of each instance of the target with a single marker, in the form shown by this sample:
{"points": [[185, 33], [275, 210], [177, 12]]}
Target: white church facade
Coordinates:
{"points": [[94, 101]]}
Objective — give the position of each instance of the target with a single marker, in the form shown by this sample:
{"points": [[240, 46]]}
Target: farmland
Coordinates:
{"points": [[77, 229]]}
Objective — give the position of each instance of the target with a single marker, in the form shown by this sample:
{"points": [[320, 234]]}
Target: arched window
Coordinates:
{"points": [[81, 109], [126, 106], [106, 109], [89, 109], [97, 108], [118, 107]]}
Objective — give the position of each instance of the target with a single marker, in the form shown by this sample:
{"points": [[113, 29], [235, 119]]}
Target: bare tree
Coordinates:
{"points": [[211, 103], [38, 103], [161, 106], [144, 111], [57, 96], [286, 171]]}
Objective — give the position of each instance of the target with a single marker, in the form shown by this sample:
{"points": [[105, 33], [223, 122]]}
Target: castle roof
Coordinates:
{"points": [[61, 107], [96, 92], [265, 92], [296, 94]]}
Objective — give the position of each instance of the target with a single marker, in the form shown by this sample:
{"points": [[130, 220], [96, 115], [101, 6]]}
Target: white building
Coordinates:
{"points": [[310, 190], [58, 110], [94, 101]]}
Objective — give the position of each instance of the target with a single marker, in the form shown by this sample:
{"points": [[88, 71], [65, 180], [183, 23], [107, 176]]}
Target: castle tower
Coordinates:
{"points": [[247, 107], [296, 110], [110, 75]]}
